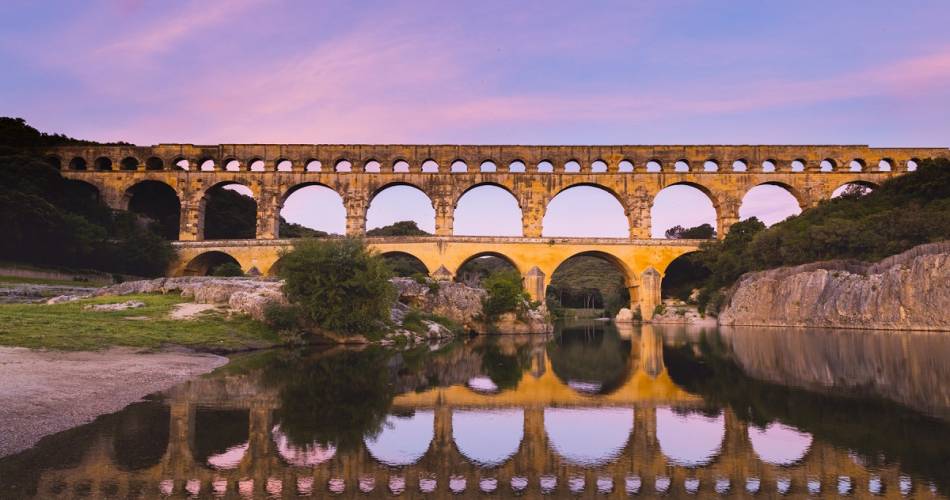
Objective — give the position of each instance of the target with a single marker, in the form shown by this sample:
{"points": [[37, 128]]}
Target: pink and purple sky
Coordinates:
{"points": [[684, 72]]}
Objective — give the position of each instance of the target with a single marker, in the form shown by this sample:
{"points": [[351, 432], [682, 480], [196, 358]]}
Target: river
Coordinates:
{"points": [[593, 410]]}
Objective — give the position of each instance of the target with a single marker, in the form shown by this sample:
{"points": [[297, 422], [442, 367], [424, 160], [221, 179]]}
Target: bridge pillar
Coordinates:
{"points": [[268, 218], [638, 215], [535, 283], [650, 282], [356, 206], [727, 214], [532, 217], [191, 223], [651, 351], [444, 218]]}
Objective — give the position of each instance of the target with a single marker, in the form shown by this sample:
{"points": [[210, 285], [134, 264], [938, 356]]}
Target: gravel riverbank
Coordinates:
{"points": [[44, 392]]}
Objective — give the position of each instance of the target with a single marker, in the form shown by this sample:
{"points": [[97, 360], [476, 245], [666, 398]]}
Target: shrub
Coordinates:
{"points": [[505, 293], [228, 269], [339, 285]]}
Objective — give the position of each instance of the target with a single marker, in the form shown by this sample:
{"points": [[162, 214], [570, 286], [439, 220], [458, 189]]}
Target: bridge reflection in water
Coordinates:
{"points": [[586, 413]]}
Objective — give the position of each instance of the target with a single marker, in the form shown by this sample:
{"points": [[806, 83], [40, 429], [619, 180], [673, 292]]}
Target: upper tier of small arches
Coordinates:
{"points": [[504, 159]]}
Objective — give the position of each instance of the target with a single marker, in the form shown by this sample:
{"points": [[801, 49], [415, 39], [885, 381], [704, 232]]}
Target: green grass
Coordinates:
{"points": [[43, 281], [69, 327]]}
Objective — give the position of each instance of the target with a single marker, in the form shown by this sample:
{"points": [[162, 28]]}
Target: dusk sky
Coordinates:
{"points": [[687, 72]]}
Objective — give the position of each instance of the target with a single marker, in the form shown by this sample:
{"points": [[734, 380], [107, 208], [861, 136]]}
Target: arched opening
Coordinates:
{"points": [[770, 203], [572, 167], [158, 202], [912, 165], [740, 166], [257, 165], [654, 166], [589, 437], [54, 161], [400, 167], [220, 437], [230, 212], [545, 167], [154, 163], [689, 438], [487, 210], [625, 166], [479, 266], [430, 167], [589, 284], [681, 166], [827, 165], [129, 163], [517, 166], [488, 166], [206, 165], [405, 265], [854, 189], [343, 166], [314, 166], [182, 163], [488, 438], [856, 165], [598, 167], [207, 263], [103, 163], [397, 203], [284, 165], [683, 276], [585, 210], [885, 165], [710, 166], [798, 166], [404, 439], [311, 210], [77, 163], [590, 357], [768, 166], [232, 165], [779, 444], [679, 208], [140, 437], [301, 455], [458, 166], [81, 196]]}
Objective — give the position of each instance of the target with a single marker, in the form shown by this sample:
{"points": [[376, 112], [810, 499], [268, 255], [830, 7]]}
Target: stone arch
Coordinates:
{"points": [[77, 163], [415, 189], [771, 202], [601, 187], [487, 166], [154, 163], [207, 164], [294, 212], [827, 165], [182, 162], [103, 163], [256, 164], [204, 264], [141, 436], [463, 216], [389, 447], [405, 263], [630, 277], [430, 166], [221, 437], [779, 444], [207, 195], [517, 165], [284, 165], [510, 261], [572, 166], [716, 205], [93, 189], [867, 185], [129, 163], [679, 274], [164, 207], [792, 190], [688, 438], [373, 166], [458, 166], [599, 166], [468, 434]]}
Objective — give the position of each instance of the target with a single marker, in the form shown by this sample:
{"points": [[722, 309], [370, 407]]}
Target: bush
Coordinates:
{"points": [[505, 293], [228, 269], [339, 285]]}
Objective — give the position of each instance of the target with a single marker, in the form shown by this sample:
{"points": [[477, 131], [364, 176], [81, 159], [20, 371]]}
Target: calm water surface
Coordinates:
{"points": [[591, 411]]}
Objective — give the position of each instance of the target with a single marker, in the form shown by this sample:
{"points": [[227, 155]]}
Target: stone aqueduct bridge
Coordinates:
{"points": [[634, 175], [268, 467]]}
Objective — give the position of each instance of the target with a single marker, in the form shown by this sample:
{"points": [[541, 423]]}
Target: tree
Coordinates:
{"points": [[505, 294], [401, 228], [294, 230], [338, 285], [229, 215], [701, 232]]}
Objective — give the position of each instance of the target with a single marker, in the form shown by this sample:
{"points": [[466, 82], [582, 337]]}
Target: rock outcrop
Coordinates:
{"points": [[909, 291]]}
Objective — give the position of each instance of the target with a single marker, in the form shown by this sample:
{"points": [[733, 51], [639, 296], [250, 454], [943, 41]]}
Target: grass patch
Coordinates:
{"points": [[69, 327], [18, 280]]}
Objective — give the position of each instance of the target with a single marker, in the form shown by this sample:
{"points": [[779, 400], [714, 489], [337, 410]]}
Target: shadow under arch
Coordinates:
{"points": [[405, 264], [228, 213], [590, 357], [205, 263], [682, 275], [158, 201], [221, 437], [469, 269], [141, 435]]}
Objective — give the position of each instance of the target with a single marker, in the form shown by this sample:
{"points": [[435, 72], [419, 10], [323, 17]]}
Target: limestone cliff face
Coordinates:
{"points": [[909, 291]]}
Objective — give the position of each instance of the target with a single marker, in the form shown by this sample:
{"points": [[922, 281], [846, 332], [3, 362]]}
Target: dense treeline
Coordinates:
{"points": [[903, 212], [588, 282], [49, 220]]}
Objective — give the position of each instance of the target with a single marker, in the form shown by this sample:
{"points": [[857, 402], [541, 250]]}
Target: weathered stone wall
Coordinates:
{"points": [[909, 291]]}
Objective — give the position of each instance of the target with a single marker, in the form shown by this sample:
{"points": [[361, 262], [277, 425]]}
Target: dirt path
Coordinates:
{"points": [[44, 392]]}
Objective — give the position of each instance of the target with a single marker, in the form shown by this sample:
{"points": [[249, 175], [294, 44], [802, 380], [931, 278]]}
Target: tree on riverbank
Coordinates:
{"points": [[337, 285]]}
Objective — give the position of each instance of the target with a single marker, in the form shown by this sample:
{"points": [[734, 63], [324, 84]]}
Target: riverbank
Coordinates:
{"points": [[152, 324], [44, 392]]}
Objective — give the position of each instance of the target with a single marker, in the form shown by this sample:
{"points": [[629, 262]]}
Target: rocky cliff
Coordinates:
{"points": [[908, 291]]}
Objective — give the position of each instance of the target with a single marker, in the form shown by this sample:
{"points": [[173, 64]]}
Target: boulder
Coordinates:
{"points": [[120, 306]]}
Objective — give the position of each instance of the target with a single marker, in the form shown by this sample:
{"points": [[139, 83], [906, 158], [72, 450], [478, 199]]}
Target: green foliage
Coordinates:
{"points": [[405, 265], [339, 285], [505, 294], [474, 271], [504, 370], [229, 215], [701, 232], [401, 228], [294, 230], [15, 133], [586, 281], [228, 269]]}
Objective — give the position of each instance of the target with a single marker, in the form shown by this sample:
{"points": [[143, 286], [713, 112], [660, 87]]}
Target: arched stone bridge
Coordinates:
{"points": [[534, 175], [725, 457]]}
